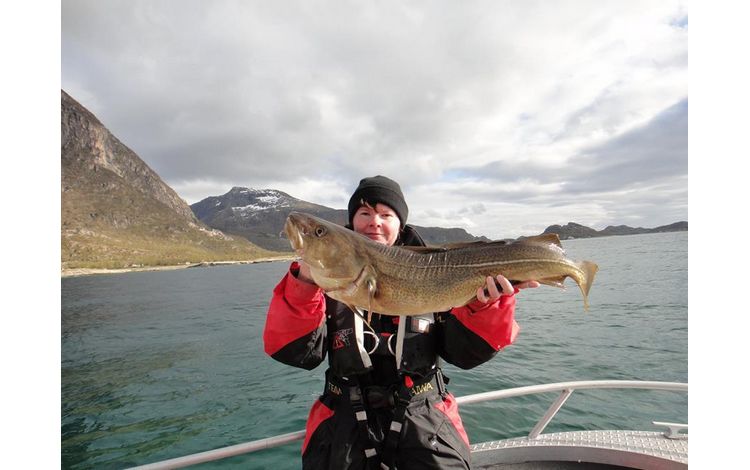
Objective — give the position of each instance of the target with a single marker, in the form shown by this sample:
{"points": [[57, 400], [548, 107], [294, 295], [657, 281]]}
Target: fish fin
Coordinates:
{"points": [[543, 239], [553, 281], [589, 271], [350, 289], [370, 281], [367, 279], [371, 288]]}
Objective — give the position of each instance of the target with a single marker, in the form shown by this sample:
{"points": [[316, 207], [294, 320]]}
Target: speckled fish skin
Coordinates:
{"points": [[393, 280]]}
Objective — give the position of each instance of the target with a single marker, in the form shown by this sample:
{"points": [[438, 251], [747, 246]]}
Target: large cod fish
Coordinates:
{"points": [[394, 280]]}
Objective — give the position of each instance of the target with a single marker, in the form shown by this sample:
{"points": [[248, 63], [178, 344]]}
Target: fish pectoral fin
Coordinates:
{"points": [[369, 280], [372, 287], [350, 289], [366, 279]]}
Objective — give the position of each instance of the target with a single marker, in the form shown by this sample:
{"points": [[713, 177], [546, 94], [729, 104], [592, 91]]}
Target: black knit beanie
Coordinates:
{"points": [[379, 189]]}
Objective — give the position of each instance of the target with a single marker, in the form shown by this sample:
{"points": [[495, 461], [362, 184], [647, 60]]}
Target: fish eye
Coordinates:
{"points": [[320, 231]]}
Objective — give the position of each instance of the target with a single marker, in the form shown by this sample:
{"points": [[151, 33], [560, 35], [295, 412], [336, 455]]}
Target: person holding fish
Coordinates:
{"points": [[385, 403]]}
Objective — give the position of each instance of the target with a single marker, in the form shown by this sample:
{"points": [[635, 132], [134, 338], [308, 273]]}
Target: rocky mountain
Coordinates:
{"points": [[574, 230], [571, 230], [117, 212], [259, 216]]}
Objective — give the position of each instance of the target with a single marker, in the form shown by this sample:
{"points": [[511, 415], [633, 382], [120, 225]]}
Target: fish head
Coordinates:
{"points": [[331, 251]]}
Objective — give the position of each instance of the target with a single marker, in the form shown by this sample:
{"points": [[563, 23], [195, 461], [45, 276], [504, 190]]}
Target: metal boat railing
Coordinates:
{"points": [[565, 388]]}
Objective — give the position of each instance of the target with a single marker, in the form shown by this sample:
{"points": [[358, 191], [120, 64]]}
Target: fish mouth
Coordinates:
{"points": [[294, 229]]}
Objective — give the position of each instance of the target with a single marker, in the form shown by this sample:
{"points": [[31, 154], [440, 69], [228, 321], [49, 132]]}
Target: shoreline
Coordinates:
{"points": [[75, 272]]}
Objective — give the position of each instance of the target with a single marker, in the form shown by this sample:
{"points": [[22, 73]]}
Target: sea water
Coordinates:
{"points": [[157, 365]]}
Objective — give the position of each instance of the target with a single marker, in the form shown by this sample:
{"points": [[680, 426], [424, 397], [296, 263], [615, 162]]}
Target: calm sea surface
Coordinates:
{"points": [[157, 365]]}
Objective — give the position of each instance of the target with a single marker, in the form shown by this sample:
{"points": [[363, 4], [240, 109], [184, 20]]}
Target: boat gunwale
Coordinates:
{"points": [[566, 389]]}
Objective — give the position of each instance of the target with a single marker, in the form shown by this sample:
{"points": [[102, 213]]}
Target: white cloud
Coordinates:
{"points": [[309, 98]]}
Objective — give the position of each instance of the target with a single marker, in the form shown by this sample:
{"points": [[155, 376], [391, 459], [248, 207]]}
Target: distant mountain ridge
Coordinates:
{"points": [[573, 230], [117, 212], [259, 215]]}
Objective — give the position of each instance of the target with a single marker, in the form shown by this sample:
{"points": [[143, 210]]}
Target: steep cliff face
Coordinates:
{"points": [[117, 212], [86, 142]]}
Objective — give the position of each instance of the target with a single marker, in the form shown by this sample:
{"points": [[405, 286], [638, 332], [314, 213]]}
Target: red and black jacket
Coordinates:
{"points": [[304, 325]]}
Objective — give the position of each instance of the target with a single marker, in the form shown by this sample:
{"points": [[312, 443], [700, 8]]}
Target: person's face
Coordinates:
{"points": [[379, 223]]}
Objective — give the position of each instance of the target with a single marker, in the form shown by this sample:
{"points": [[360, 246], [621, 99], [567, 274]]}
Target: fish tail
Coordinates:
{"points": [[589, 270]]}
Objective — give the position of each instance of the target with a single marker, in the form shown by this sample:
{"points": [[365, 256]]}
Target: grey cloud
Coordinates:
{"points": [[640, 157], [236, 91], [474, 209], [408, 74], [504, 172]]}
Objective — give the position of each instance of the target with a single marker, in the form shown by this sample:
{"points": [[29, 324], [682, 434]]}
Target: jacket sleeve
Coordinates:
{"points": [[295, 330], [474, 333]]}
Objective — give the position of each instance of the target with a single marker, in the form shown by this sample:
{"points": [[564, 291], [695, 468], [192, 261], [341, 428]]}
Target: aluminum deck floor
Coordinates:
{"points": [[629, 449]]}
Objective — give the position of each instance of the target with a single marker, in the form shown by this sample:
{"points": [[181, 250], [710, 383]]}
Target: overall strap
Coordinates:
{"points": [[360, 413], [390, 445], [404, 394], [359, 335], [402, 319]]}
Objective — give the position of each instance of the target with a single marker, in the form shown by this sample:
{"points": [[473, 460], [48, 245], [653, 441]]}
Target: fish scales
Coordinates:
{"points": [[454, 275], [414, 280]]}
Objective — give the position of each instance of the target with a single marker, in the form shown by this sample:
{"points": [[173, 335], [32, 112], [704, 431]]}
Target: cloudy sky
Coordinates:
{"points": [[501, 117]]}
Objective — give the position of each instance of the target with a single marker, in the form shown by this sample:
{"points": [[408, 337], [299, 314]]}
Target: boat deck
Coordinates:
{"points": [[629, 449], [575, 450]]}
